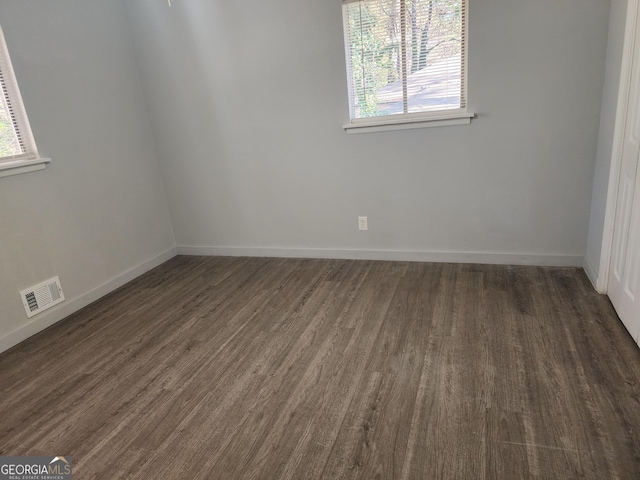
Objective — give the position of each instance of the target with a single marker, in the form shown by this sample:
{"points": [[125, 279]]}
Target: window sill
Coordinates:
{"points": [[16, 167], [444, 120]]}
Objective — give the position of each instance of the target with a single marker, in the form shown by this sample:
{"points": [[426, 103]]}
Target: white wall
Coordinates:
{"points": [[247, 102], [605, 137], [97, 215]]}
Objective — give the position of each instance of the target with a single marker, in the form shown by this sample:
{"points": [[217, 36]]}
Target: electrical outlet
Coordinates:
{"points": [[362, 223]]}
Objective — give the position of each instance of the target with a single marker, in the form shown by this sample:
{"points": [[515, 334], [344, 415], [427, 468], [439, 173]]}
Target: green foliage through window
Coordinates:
{"points": [[404, 56], [16, 139], [9, 142]]}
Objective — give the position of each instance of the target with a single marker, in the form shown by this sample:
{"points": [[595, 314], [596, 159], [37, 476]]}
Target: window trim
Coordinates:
{"points": [[410, 121], [403, 121], [16, 167], [30, 160]]}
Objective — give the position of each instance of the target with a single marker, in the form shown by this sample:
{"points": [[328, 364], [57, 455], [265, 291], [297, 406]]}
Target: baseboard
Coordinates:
{"points": [[396, 255], [65, 309], [592, 273]]}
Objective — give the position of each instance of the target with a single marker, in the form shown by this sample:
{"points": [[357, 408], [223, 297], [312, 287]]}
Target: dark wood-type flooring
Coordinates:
{"points": [[252, 368]]}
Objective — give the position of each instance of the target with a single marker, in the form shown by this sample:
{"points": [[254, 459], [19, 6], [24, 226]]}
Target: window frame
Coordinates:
{"points": [[29, 160], [402, 121]]}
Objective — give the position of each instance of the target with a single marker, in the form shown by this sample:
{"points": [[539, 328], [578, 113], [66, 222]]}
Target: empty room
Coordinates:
{"points": [[320, 239]]}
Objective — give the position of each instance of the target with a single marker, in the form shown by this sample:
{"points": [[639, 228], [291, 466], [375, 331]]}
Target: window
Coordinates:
{"points": [[406, 62], [18, 152]]}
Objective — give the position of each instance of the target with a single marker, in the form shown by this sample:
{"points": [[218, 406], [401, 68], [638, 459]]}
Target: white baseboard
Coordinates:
{"points": [[65, 309], [592, 273], [396, 255]]}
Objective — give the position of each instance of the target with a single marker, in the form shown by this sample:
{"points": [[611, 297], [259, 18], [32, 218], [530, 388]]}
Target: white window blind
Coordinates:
{"points": [[405, 58], [16, 139]]}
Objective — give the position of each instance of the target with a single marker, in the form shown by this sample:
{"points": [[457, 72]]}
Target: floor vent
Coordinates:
{"points": [[42, 296]]}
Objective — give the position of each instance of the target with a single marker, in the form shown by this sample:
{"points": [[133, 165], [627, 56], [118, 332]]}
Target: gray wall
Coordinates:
{"points": [[605, 137], [247, 102], [99, 210]]}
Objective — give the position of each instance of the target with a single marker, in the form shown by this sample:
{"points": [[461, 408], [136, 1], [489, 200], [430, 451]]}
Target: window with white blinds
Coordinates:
{"points": [[17, 146], [406, 59]]}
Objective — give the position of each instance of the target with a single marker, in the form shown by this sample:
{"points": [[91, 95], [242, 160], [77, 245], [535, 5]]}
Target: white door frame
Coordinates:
{"points": [[631, 28]]}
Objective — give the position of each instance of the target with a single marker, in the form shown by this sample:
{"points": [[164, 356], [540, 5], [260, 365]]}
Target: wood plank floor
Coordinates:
{"points": [[251, 368]]}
